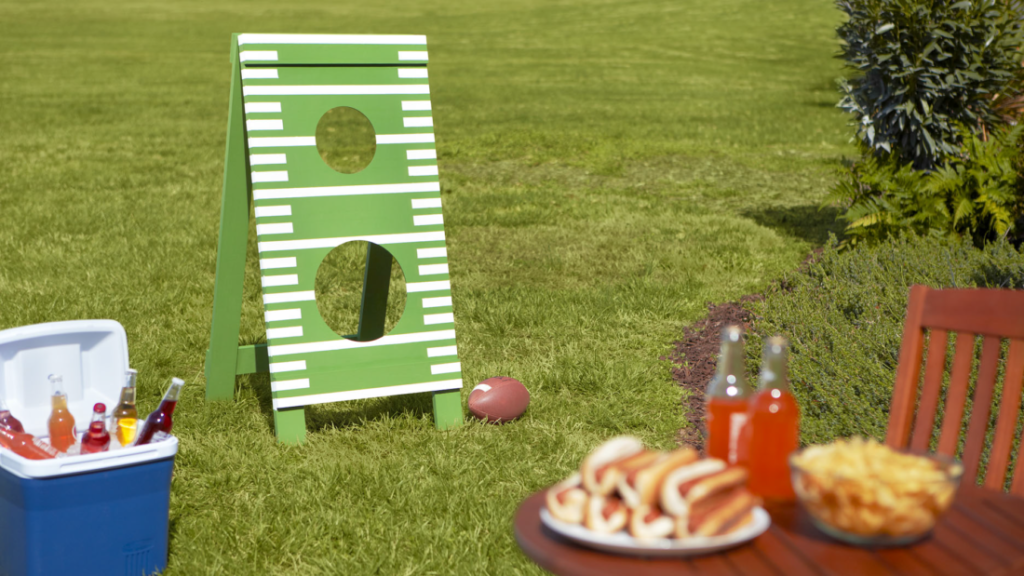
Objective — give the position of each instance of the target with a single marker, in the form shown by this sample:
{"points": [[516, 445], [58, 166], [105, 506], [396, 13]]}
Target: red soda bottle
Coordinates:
{"points": [[8, 421], [727, 399], [26, 445], [96, 438], [158, 424]]}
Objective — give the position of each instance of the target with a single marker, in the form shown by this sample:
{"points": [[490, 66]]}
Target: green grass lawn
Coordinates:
{"points": [[607, 168]]}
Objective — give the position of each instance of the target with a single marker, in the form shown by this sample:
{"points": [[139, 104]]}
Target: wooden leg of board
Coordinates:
{"points": [[376, 282], [447, 409], [222, 355], [290, 425]]}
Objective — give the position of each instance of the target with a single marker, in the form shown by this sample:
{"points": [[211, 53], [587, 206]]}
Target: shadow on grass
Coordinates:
{"points": [[348, 414], [808, 222]]}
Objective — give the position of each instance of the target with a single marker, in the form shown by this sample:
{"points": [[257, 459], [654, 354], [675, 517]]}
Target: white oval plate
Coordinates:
{"points": [[622, 543]]}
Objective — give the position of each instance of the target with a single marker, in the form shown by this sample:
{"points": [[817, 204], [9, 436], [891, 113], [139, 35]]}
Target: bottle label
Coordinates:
{"points": [[160, 437], [736, 422], [45, 447]]}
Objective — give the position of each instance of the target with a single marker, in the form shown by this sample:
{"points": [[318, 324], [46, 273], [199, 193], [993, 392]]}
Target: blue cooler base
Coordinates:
{"points": [[104, 523]]}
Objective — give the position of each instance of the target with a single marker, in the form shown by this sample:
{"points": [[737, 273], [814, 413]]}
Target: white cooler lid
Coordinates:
{"points": [[91, 357]]}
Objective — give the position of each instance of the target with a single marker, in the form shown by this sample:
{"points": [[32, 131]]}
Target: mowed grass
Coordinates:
{"points": [[607, 168]]}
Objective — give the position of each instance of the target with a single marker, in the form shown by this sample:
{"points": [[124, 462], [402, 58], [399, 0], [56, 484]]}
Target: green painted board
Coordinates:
{"points": [[304, 209]]}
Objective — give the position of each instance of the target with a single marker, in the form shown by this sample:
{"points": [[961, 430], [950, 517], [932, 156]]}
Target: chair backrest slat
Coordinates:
{"points": [[956, 395], [981, 407], [938, 343], [967, 313], [1006, 425]]}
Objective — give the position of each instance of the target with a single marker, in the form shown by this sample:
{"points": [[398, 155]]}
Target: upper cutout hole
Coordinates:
{"points": [[345, 139], [339, 291]]}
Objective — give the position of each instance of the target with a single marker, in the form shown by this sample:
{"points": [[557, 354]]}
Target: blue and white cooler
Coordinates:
{"points": [[97, 514]]}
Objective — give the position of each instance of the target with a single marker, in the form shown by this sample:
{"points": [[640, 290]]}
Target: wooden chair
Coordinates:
{"points": [[993, 314]]}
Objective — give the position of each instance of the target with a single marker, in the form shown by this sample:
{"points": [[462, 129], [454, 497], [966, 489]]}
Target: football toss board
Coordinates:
{"points": [[281, 86]]}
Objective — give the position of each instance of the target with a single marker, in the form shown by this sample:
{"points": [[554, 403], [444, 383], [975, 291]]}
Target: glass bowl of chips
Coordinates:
{"points": [[868, 494]]}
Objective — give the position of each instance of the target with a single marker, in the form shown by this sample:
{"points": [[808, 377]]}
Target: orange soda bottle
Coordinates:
{"points": [[774, 426], [727, 399], [62, 424], [26, 445], [96, 438]]}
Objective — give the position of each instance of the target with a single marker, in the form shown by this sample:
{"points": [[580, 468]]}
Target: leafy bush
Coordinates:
{"points": [[844, 318], [925, 67], [975, 193]]}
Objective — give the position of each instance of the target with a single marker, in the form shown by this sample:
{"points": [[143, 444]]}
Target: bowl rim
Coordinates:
{"points": [[953, 468]]}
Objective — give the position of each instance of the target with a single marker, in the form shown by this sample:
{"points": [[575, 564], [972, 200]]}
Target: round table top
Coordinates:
{"points": [[982, 533]]}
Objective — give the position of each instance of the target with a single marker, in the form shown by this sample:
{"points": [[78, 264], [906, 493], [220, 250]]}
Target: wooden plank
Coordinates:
{"points": [[984, 538], [1006, 425], [981, 407], [231, 248], [373, 310], [713, 564], [973, 506], [948, 553], [821, 550], [781, 553], [901, 410], [903, 561], [938, 343], [252, 359], [957, 394], [977, 310], [747, 561], [447, 409]]}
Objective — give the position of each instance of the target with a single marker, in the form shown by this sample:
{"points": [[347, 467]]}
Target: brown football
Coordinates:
{"points": [[499, 399]]}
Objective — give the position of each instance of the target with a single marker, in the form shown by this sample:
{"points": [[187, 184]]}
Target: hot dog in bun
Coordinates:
{"points": [[567, 500], [687, 485], [718, 515], [648, 522], [642, 485], [602, 468], [605, 514]]}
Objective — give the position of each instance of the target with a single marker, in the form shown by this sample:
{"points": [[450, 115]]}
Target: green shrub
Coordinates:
{"points": [[844, 318], [975, 193], [923, 68]]}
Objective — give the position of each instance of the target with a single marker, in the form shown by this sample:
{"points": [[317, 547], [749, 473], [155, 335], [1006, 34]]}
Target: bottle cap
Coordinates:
{"points": [[100, 407], [130, 378]]}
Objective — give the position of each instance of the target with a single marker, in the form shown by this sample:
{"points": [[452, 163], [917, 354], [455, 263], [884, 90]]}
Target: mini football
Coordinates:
{"points": [[499, 399]]}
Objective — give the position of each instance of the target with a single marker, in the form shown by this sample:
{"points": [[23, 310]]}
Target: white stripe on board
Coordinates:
{"points": [[272, 176], [283, 141], [355, 190], [336, 90], [432, 253], [421, 203], [420, 154], [441, 351], [264, 159], [287, 332], [415, 105], [278, 315], [379, 239], [272, 263], [428, 286], [259, 73], [427, 219], [283, 385], [262, 55], [446, 368], [431, 269], [423, 170], [404, 138], [280, 280], [280, 297], [411, 55], [431, 319], [267, 211], [283, 403], [254, 107], [255, 125], [384, 39], [278, 228], [412, 72], [438, 302], [417, 121], [277, 367], [345, 343]]}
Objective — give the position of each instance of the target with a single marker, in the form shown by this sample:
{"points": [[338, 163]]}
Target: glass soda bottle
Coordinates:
{"points": [[158, 424], [124, 418], [8, 421], [774, 426], [727, 399], [26, 445], [63, 434], [96, 438]]}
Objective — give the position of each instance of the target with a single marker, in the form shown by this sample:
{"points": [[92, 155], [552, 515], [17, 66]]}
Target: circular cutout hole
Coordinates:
{"points": [[339, 291], [345, 139]]}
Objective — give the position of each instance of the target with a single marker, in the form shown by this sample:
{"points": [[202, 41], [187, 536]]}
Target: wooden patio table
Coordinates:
{"points": [[982, 533]]}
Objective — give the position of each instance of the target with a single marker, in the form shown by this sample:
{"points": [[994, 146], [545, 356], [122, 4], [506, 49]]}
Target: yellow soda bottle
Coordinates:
{"points": [[124, 419]]}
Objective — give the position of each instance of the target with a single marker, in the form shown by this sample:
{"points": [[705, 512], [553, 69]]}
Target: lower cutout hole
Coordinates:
{"points": [[340, 296]]}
